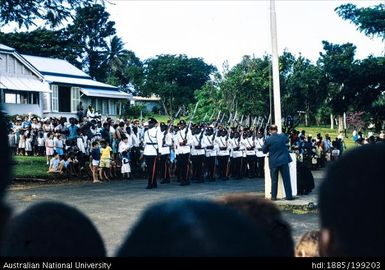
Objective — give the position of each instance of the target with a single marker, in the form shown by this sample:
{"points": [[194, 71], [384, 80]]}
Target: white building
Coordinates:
{"points": [[52, 87]]}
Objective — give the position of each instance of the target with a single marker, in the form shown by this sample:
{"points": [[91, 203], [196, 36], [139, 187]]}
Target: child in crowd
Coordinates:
{"points": [[56, 165], [49, 145], [22, 143], [28, 145], [126, 169], [124, 151], [59, 145], [95, 155], [40, 144], [105, 160]]}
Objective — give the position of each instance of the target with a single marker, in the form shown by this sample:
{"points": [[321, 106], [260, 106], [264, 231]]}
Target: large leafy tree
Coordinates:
{"points": [[337, 62], [368, 81], [305, 89], [27, 12], [175, 78], [368, 74], [91, 28], [210, 100], [246, 86], [370, 20], [45, 43]]}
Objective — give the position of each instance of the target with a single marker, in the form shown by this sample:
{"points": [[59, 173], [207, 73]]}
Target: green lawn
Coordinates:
{"points": [[333, 133], [30, 167]]}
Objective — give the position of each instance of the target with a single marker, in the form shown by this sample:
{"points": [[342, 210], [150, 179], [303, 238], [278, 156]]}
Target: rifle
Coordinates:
{"points": [[229, 121], [217, 120], [234, 119], [223, 116], [191, 118], [212, 115], [204, 118], [170, 125], [254, 123], [267, 124], [240, 122], [247, 120]]}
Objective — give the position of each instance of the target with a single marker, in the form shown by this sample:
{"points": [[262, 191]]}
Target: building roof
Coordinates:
{"points": [[152, 98], [48, 65], [23, 84], [6, 48], [104, 93], [54, 70], [79, 82], [60, 71]]}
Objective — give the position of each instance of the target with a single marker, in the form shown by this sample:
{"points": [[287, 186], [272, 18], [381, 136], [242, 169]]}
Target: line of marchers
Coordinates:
{"points": [[56, 265]]}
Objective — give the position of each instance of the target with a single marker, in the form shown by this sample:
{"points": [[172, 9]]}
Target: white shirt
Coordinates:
{"points": [[124, 146], [235, 143], [150, 142], [248, 142], [207, 141], [258, 145], [222, 142], [180, 137], [40, 141], [81, 145], [164, 149], [197, 141]]}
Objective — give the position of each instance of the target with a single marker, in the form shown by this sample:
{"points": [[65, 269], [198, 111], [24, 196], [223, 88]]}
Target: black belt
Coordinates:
{"points": [[151, 143]]}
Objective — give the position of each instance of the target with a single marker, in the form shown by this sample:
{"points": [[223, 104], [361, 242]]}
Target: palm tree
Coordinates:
{"points": [[123, 67], [115, 56]]}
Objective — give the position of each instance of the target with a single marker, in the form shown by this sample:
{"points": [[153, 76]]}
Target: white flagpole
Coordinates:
{"points": [[276, 87]]}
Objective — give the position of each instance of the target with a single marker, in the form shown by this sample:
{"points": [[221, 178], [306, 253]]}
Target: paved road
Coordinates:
{"points": [[115, 206]]}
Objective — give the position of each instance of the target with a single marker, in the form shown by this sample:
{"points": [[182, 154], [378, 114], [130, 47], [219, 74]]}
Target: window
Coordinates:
{"points": [[105, 107], [17, 98], [75, 98], [10, 98], [46, 103], [98, 105], [111, 105], [55, 98], [35, 98]]}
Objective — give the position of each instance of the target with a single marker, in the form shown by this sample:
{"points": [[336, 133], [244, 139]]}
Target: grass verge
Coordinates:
{"points": [[30, 167]]}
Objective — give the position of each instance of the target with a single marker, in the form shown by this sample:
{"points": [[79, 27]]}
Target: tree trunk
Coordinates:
{"points": [[306, 119], [331, 121], [164, 107], [340, 123]]}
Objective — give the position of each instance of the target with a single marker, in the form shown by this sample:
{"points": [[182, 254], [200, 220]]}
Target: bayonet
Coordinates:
{"points": [[229, 121], [223, 116]]}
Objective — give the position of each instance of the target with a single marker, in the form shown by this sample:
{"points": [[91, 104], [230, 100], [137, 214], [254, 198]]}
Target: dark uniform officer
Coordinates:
{"points": [[279, 159]]}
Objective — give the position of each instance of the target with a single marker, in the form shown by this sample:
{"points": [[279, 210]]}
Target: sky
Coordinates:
{"points": [[227, 30]]}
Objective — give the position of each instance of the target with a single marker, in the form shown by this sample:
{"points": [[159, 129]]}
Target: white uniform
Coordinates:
{"points": [[180, 137], [222, 142], [208, 141], [258, 145], [235, 143], [197, 141], [164, 149], [150, 142], [248, 143]]}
